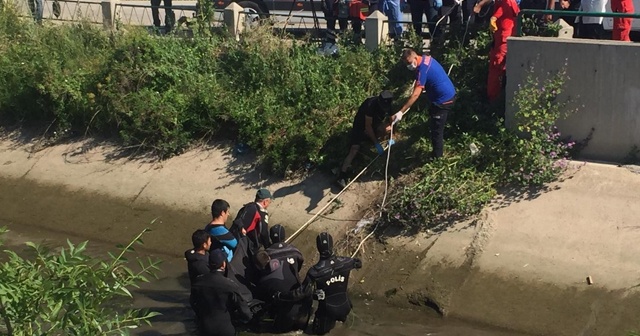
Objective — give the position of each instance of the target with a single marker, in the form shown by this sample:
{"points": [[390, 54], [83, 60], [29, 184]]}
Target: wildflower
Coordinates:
{"points": [[397, 216], [553, 155]]}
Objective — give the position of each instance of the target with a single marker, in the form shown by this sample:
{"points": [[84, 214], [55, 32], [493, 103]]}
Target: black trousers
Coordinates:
{"points": [[419, 8], [437, 120], [169, 17]]}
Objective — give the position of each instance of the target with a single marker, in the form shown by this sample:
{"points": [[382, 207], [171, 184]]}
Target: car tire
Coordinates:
{"points": [[254, 12]]}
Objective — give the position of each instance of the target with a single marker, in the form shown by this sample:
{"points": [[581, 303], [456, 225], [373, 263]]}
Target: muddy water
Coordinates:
{"points": [[44, 213]]}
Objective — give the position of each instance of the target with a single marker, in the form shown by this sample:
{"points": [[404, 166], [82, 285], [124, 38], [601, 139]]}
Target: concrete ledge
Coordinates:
{"points": [[603, 83]]}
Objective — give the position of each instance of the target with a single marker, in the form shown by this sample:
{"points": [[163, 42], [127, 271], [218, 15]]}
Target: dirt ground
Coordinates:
{"points": [[521, 265]]}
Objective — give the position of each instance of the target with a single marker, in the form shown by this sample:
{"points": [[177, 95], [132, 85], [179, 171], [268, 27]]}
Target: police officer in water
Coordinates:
{"points": [[327, 281], [279, 273]]}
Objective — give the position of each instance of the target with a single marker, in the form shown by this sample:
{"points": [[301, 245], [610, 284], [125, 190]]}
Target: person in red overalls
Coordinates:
{"points": [[621, 27], [502, 25]]}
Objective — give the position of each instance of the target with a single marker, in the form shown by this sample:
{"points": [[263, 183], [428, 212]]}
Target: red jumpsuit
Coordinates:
{"points": [[622, 27], [505, 13]]}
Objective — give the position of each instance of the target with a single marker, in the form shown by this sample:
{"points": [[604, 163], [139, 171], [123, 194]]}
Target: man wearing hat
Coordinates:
{"points": [[215, 297], [368, 125], [254, 219]]}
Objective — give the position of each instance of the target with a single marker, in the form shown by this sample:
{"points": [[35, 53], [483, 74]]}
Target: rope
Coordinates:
{"points": [[384, 199], [304, 226], [386, 190]]}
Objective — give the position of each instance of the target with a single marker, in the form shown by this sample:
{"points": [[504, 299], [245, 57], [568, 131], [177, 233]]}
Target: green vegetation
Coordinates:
{"points": [[68, 292], [482, 154], [289, 104]]}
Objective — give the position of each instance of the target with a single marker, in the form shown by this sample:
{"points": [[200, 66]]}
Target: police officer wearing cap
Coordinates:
{"points": [[216, 297], [327, 281], [369, 124]]}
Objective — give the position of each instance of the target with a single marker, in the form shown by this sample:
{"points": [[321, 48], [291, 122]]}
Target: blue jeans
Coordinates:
{"points": [[391, 8], [36, 7]]}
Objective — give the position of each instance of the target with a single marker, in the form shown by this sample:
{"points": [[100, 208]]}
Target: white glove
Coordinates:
{"points": [[397, 117]]}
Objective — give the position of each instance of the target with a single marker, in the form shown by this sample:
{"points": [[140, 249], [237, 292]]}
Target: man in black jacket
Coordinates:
{"points": [[198, 258], [253, 221], [327, 281], [369, 125], [217, 298]]}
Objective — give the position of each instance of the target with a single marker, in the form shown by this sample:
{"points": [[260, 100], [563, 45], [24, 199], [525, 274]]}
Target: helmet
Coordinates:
{"points": [[276, 233], [324, 242]]}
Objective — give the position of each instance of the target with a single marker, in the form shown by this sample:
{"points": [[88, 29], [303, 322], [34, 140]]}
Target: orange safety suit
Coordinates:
{"points": [[505, 15], [622, 27]]}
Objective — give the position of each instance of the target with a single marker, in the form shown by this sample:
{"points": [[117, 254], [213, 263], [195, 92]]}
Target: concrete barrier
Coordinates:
{"points": [[376, 30], [604, 84]]}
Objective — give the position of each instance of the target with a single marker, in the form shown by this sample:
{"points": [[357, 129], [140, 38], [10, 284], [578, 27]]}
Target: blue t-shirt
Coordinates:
{"points": [[433, 78], [219, 233]]}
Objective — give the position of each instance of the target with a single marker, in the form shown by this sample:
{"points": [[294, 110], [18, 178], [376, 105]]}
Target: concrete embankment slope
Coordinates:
{"points": [[523, 265], [181, 189]]}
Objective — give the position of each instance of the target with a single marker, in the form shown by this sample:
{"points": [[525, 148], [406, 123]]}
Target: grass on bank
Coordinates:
{"points": [[289, 104]]}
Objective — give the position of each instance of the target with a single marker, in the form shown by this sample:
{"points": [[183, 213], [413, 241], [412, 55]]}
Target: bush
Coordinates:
{"points": [[289, 104], [481, 153], [162, 93], [71, 293]]}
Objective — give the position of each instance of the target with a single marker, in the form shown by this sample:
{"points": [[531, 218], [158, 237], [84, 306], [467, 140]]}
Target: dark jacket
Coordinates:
{"points": [[197, 264], [331, 276], [216, 300], [255, 221], [281, 274]]}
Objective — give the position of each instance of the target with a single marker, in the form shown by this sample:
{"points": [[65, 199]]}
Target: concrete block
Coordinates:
{"points": [[234, 17], [566, 31], [376, 31], [602, 87], [109, 13]]}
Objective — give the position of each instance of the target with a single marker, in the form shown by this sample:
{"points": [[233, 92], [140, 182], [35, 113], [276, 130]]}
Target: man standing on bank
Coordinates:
{"points": [[432, 79]]}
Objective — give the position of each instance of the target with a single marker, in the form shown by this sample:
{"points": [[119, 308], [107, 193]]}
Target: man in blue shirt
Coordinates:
{"points": [[221, 238], [432, 79]]}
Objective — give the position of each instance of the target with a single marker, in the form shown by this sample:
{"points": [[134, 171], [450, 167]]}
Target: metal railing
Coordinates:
{"points": [[569, 13], [61, 10], [142, 15]]}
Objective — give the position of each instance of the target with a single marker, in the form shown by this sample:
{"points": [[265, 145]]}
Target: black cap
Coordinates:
{"points": [[216, 258], [276, 233], [324, 242], [385, 98], [263, 194]]}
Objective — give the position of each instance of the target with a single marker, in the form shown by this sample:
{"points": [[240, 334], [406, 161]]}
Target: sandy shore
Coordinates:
{"points": [[523, 265]]}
